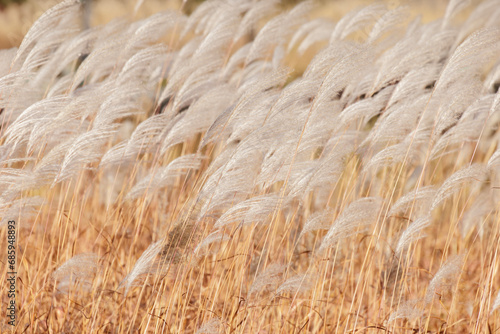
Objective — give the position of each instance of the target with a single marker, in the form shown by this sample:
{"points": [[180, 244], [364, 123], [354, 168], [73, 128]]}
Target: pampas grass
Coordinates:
{"points": [[251, 168]]}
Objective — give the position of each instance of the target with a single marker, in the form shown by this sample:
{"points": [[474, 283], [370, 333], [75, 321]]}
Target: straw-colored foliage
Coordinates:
{"points": [[254, 167]]}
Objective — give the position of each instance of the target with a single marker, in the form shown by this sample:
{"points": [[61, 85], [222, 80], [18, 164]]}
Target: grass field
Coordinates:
{"points": [[250, 167]]}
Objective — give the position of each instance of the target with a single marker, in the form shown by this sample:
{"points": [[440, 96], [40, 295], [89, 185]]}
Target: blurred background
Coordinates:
{"points": [[17, 16]]}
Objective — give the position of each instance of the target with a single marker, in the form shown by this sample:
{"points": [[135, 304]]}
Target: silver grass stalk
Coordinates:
{"points": [[358, 214], [445, 278], [212, 326], [412, 233], [475, 172], [77, 272]]}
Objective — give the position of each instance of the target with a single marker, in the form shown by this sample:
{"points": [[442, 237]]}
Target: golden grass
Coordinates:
{"points": [[349, 293], [353, 289]]}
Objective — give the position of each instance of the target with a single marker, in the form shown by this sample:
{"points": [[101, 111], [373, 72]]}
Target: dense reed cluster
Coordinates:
{"points": [[176, 174]]}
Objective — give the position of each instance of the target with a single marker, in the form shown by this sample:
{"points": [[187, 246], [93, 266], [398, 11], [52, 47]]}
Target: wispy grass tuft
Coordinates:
{"points": [[255, 167]]}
